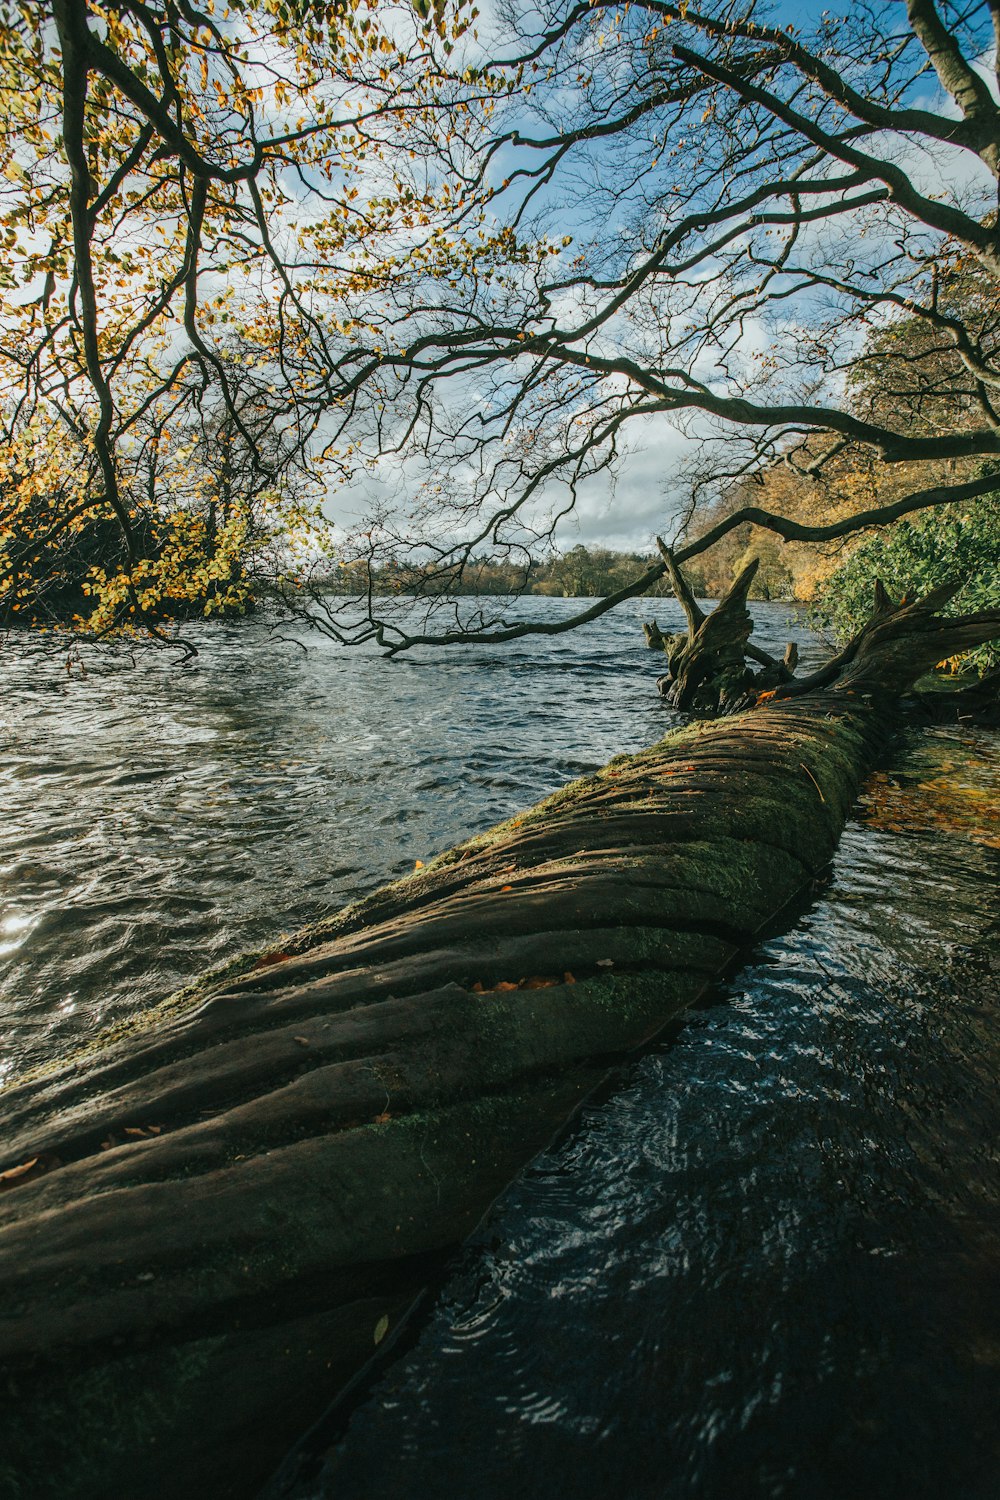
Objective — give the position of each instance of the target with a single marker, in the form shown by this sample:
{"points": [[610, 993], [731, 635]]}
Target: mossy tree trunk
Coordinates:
{"points": [[211, 1219]]}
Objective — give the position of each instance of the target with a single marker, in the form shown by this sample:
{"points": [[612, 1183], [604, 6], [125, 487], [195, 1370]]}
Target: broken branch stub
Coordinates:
{"points": [[709, 671]]}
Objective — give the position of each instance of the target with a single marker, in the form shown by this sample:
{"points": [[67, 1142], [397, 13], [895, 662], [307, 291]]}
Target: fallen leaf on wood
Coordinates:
{"points": [[506, 888], [266, 959], [383, 1118], [303, 1041], [13, 1173], [381, 1329], [532, 982]]}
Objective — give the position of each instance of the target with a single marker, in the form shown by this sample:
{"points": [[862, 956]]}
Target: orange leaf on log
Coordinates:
{"points": [[13, 1173]]}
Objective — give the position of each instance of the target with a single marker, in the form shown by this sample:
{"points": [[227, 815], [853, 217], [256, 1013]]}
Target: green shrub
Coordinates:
{"points": [[956, 542]]}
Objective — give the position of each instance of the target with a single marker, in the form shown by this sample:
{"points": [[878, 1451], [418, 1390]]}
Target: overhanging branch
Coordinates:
{"points": [[789, 530]]}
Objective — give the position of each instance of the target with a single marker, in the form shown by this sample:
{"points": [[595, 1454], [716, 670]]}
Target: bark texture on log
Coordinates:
{"points": [[209, 1221]]}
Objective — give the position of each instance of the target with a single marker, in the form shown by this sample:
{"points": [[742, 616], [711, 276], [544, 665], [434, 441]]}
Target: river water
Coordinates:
{"points": [[767, 1264], [159, 819]]}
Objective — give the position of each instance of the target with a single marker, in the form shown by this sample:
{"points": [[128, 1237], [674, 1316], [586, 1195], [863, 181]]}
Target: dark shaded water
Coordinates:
{"points": [[768, 1264]]}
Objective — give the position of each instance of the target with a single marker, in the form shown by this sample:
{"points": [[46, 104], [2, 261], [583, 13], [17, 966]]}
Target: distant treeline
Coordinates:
{"points": [[583, 572]]}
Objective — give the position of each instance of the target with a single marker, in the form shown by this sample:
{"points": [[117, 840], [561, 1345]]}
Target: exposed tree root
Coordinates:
{"points": [[709, 666]]}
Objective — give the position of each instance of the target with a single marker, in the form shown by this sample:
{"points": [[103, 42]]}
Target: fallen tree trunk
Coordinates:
{"points": [[209, 1222]]}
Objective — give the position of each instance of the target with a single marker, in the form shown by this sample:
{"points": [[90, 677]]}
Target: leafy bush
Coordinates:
{"points": [[911, 557]]}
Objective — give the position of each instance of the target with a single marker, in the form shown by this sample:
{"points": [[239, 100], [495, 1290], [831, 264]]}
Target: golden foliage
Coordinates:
{"points": [[200, 291]]}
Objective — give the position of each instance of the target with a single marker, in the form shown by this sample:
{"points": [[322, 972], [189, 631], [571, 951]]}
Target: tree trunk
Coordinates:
{"points": [[211, 1219], [707, 668]]}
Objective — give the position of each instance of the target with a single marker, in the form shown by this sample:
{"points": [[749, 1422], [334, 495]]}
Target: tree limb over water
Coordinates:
{"points": [[769, 240]]}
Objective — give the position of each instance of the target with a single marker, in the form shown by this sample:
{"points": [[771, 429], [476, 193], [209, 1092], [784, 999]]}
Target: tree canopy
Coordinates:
{"points": [[458, 267], [181, 215]]}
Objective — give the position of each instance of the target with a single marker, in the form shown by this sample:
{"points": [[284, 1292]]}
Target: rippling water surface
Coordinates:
{"points": [[160, 819], [767, 1264]]}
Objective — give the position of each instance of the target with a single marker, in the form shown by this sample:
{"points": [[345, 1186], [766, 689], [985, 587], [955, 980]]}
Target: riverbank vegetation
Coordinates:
{"points": [[581, 573]]}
